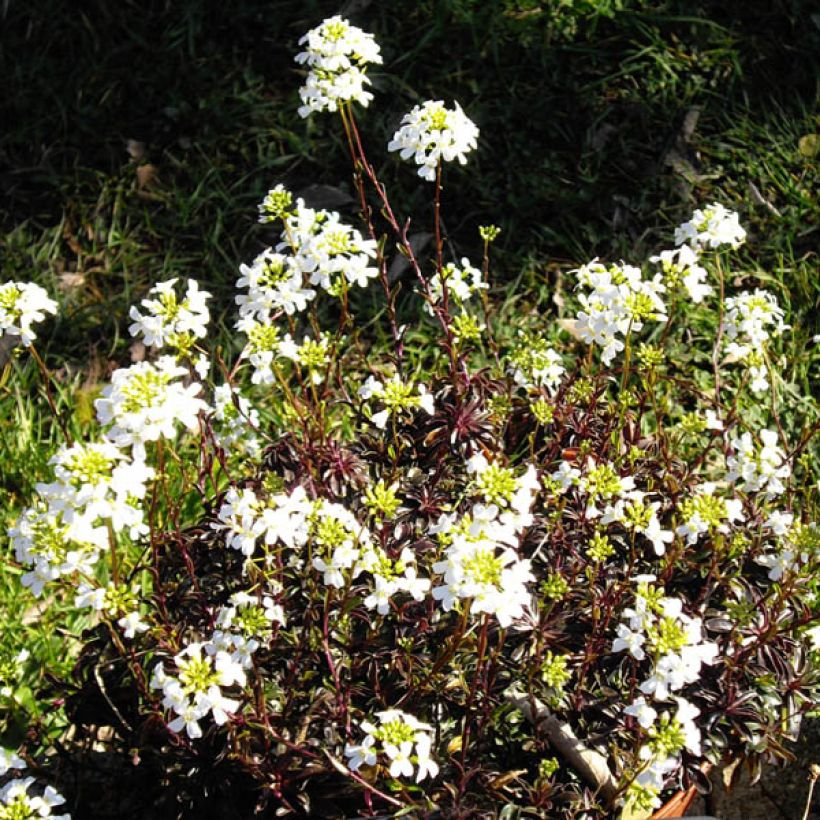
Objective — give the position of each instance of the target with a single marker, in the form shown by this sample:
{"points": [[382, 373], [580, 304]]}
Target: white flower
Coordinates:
{"points": [[10, 760], [566, 475], [713, 421], [337, 55], [631, 641], [23, 304], [780, 522], [168, 320], [533, 363], [401, 740], [431, 133], [750, 320], [712, 227], [642, 711], [330, 253], [362, 754], [131, 623], [96, 480], [235, 421], [397, 396]]}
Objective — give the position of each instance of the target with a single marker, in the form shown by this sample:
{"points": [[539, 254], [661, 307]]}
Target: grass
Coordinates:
{"points": [[142, 139]]}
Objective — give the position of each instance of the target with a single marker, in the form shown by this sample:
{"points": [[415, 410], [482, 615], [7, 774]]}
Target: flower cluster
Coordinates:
{"points": [[618, 302], [657, 628], [337, 55], [681, 268], [15, 801], [22, 305], [245, 518], [750, 321], [396, 397], [116, 601], [235, 421], [480, 564], [431, 133], [275, 283], [169, 320], [147, 401], [712, 227], [398, 741], [534, 364], [706, 512], [758, 469], [461, 283], [194, 689], [391, 577]]}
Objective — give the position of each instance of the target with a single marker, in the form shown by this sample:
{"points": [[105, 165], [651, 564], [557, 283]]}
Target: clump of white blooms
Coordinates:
{"points": [[534, 364], [391, 577], [275, 283], [98, 481], [342, 548], [796, 544], [339, 542], [169, 320], [461, 283], [261, 348], [758, 469], [480, 565], [431, 133], [399, 742], [618, 302], [193, 690], [681, 268], [711, 227], [52, 547], [396, 397], [633, 511], [22, 305], [147, 401], [750, 321], [17, 804], [313, 354], [337, 55], [281, 518], [656, 628], [706, 512], [599, 482], [480, 568], [332, 254]]}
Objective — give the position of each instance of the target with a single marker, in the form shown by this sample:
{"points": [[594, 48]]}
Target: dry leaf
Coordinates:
{"points": [[503, 779], [146, 174], [570, 325], [67, 282], [137, 352]]}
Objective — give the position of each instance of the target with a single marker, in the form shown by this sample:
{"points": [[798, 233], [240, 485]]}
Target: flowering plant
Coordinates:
{"points": [[556, 571]]}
